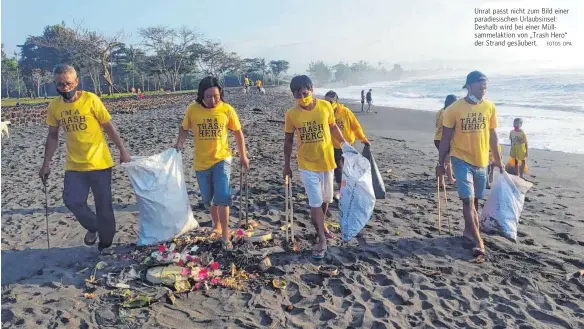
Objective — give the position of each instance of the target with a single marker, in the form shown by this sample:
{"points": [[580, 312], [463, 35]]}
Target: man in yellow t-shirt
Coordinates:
{"points": [[259, 85], [210, 120], [314, 122], [349, 126], [469, 132], [88, 165]]}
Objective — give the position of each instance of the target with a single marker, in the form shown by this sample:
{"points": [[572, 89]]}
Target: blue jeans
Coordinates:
{"points": [[215, 184], [471, 181]]}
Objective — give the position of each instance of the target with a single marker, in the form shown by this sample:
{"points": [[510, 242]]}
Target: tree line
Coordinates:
{"points": [[166, 58], [357, 73]]}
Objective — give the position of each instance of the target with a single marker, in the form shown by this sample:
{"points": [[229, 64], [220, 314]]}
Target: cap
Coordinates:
{"points": [[474, 76]]}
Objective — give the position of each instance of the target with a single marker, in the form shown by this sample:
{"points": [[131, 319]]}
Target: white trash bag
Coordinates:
{"points": [[504, 205], [357, 196], [161, 193]]}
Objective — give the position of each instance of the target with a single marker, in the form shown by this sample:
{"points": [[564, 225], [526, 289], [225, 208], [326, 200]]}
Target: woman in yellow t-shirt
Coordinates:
{"points": [[519, 150], [438, 136]]}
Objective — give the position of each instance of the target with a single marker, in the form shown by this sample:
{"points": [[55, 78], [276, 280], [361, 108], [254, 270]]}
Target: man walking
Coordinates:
{"points": [[369, 101], [82, 116], [470, 124], [314, 122]]}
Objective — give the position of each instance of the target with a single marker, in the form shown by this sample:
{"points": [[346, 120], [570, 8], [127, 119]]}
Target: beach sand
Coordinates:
{"points": [[398, 273]]}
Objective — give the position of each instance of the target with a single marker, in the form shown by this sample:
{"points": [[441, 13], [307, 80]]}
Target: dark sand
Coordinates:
{"points": [[399, 273]]}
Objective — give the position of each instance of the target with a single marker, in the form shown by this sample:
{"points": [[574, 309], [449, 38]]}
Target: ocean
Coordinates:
{"points": [[551, 104]]}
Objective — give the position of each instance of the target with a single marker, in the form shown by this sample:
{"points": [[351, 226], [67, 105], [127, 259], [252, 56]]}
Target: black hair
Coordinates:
{"points": [[449, 100], [206, 83], [299, 82], [332, 94], [518, 120]]}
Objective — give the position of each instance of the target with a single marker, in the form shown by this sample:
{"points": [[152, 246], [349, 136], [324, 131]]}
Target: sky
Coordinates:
{"points": [[414, 34]]}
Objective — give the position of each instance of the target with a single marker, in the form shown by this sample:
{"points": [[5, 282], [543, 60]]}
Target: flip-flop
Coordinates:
{"points": [[329, 235], [477, 252], [90, 238], [319, 253], [227, 245]]}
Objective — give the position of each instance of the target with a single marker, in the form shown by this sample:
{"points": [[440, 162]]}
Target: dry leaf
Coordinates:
{"points": [[89, 295]]}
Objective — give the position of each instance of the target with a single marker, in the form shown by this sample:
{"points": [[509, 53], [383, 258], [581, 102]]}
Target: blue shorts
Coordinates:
{"points": [[471, 181], [214, 184]]}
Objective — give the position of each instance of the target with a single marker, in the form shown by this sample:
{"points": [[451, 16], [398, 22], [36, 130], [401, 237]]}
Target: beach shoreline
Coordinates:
{"points": [[400, 272]]}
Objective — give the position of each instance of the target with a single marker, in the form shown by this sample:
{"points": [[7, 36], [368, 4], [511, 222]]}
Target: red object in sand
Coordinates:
{"points": [[215, 266]]}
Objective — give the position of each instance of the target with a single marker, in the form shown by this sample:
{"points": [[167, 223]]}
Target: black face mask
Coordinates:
{"points": [[67, 95]]}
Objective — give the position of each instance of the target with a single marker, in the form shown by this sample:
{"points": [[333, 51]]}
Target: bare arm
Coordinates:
{"points": [[113, 134], [182, 136], [240, 140], [51, 145], [494, 143], [336, 133], [288, 144], [444, 146]]}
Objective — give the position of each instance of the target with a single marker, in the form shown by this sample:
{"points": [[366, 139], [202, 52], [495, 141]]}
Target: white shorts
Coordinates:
{"points": [[318, 186]]}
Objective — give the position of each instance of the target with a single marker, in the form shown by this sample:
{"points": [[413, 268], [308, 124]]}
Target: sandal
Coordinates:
{"points": [[329, 235], [227, 245], [318, 253], [478, 252], [90, 238]]}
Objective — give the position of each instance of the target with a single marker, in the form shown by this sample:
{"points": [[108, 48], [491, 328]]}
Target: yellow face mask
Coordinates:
{"points": [[304, 102]]}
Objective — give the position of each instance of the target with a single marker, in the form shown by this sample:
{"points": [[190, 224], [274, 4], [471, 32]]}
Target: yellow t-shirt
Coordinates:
{"points": [[315, 146], [349, 126], [246, 81], [258, 83], [81, 120], [439, 116], [472, 125], [210, 131], [517, 137]]}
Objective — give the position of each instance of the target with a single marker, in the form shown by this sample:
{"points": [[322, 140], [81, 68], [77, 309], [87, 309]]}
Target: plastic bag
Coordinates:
{"points": [[357, 196], [378, 184], [161, 193], [503, 207]]}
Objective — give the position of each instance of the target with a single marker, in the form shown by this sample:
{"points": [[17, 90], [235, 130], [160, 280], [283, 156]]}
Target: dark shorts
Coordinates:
{"points": [[437, 143], [339, 168]]}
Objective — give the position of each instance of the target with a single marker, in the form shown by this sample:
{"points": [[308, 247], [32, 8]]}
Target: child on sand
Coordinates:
{"points": [[519, 150], [210, 119]]}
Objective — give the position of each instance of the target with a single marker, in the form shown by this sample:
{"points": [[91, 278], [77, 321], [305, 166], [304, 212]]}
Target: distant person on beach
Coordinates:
{"points": [[519, 149], [259, 85], [438, 136], [88, 164], [369, 100], [210, 119], [246, 84], [469, 132], [350, 127], [314, 122], [362, 100]]}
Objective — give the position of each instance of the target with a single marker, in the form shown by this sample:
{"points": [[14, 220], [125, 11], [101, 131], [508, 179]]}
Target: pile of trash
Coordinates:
{"points": [[189, 263]]}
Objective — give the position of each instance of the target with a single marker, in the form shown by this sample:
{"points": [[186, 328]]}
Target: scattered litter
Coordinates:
{"points": [[100, 265], [89, 295], [279, 284], [328, 270]]}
